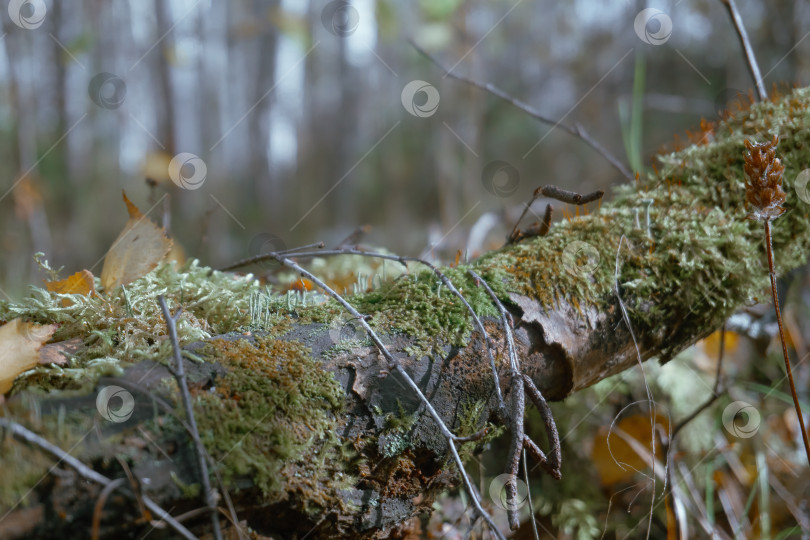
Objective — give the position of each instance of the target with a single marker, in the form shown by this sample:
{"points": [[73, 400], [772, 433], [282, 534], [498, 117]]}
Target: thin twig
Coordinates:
{"points": [[570, 197], [553, 192], [209, 497], [529, 497], [477, 436], [394, 364], [552, 465], [307, 246], [232, 517], [522, 385], [626, 318], [87, 473], [100, 502], [538, 228], [264, 256], [577, 130], [796, 404], [753, 67], [506, 319], [515, 448]]}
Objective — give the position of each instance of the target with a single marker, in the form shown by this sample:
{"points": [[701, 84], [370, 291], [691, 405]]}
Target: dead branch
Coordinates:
{"points": [[576, 130], [751, 60], [209, 495], [86, 472]]}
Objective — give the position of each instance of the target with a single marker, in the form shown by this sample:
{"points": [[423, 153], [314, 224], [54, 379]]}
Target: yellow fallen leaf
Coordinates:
{"points": [[629, 462], [79, 283], [136, 251], [707, 352], [19, 348], [711, 344]]}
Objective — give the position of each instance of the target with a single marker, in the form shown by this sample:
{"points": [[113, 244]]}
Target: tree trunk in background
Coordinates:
{"points": [[26, 186], [264, 54], [164, 97], [345, 212]]}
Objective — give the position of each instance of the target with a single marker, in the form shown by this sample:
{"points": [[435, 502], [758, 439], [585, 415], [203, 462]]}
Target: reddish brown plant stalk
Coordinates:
{"points": [[763, 191]]}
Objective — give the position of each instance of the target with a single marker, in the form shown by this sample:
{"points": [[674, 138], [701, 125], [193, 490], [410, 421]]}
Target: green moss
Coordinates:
{"points": [[420, 306], [469, 423], [273, 418]]}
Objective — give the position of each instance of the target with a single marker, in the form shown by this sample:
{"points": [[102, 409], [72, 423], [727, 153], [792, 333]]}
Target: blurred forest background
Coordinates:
{"points": [[295, 110]]}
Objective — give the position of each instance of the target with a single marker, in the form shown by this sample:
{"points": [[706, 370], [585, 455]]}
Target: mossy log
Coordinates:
{"points": [[309, 433]]}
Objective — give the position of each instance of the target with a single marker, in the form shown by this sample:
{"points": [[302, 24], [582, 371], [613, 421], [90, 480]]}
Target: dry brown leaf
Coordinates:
{"points": [[57, 353], [79, 283], [19, 348], [137, 250]]}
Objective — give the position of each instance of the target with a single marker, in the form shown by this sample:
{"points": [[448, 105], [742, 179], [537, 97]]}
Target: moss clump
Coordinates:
{"points": [[420, 306], [701, 254], [273, 418], [469, 423]]}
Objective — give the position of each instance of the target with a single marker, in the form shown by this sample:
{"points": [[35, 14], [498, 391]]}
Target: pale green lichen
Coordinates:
{"points": [[395, 437], [126, 325]]}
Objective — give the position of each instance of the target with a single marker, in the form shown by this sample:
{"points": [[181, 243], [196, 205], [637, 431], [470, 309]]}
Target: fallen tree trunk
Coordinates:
{"points": [[310, 434]]}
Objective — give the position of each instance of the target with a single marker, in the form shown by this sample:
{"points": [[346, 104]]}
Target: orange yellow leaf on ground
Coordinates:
{"points": [[19, 348], [636, 426], [711, 344], [302, 284], [79, 283], [137, 250]]}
